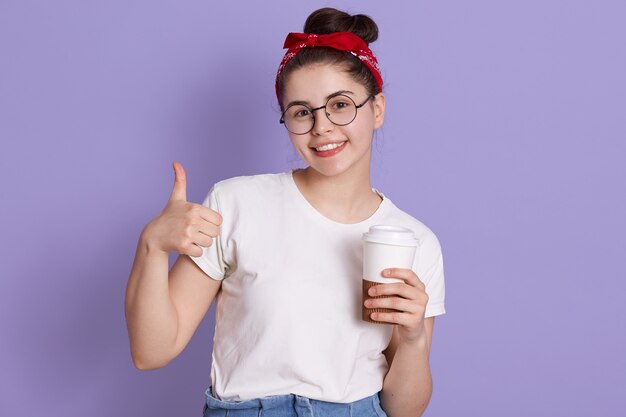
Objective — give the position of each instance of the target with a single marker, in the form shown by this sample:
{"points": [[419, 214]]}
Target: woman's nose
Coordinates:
{"points": [[321, 123]]}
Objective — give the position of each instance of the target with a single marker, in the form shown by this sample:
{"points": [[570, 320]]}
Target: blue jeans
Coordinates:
{"points": [[291, 405]]}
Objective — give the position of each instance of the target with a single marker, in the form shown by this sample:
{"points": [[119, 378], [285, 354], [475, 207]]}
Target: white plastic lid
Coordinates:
{"points": [[391, 235]]}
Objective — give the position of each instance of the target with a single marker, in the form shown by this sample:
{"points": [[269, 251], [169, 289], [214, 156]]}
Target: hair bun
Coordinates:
{"points": [[364, 27], [329, 20]]}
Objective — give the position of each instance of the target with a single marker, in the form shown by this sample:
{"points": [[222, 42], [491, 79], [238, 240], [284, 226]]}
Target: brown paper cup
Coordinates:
{"points": [[367, 311]]}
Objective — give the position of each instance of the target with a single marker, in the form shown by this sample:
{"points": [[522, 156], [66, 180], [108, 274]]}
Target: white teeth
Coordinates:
{"points": [[329, 146]]}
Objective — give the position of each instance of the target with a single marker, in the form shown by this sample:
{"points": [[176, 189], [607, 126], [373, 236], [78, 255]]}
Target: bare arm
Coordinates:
{"points": [[164, 308], [407, 387]]}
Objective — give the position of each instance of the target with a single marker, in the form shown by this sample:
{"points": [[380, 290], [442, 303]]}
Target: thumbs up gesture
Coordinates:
{"points": [[182, 227]]}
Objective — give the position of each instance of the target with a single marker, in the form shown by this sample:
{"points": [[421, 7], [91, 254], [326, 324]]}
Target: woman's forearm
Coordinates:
{"points": [[408, 384]]}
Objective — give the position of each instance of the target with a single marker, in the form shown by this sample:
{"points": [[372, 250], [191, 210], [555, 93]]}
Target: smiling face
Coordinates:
{"points": [[313, 85]]}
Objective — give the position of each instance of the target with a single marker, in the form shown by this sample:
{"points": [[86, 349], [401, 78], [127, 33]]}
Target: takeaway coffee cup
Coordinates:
{"points": [[385, 247]]}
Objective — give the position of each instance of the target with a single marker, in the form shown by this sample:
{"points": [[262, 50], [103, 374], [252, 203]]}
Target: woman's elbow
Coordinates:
{"points": [[143, 363]]}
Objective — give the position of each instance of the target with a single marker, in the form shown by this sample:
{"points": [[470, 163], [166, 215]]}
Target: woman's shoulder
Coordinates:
{"points": [[251, 185], [422, 232], [250, 180]]}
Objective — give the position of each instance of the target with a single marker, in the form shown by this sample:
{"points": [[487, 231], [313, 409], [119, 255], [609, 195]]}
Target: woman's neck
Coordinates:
{"points": [[346, 198]]}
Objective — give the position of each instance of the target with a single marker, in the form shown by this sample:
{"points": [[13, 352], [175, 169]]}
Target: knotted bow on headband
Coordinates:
{"points": [[342, 41]]}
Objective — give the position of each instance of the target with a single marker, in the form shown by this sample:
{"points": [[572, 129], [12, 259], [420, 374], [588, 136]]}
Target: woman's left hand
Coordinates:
{"points": [[409, 297]]}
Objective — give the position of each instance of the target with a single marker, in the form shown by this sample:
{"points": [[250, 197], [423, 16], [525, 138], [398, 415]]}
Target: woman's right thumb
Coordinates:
{"points": [[179, 192]]}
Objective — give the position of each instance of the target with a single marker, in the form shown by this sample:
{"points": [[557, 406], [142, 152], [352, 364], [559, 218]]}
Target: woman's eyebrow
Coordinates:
{"points": [[339, 92], [306, 103]]}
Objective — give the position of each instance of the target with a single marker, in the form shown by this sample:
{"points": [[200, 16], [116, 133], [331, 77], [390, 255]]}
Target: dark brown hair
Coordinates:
{"points": [[329, 20]]}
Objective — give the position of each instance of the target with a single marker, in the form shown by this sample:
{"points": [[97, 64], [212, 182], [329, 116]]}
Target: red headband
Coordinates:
{"points": [[342, 41]]}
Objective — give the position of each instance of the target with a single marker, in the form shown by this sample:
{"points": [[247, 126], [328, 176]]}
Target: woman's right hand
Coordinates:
{"points": [[182, 227]]}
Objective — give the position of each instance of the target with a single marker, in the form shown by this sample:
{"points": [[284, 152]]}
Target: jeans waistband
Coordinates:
{"points": [[368, 406]]}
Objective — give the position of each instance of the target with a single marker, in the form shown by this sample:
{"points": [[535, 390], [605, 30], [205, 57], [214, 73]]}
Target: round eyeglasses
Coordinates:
{"points": [[340, 109]]}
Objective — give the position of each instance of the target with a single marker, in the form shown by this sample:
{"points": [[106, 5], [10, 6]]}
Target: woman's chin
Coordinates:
{"points": [[328, 170]]}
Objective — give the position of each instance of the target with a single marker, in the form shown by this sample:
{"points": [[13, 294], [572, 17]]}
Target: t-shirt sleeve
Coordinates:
{"points": [[433, 278], [212, 259]]}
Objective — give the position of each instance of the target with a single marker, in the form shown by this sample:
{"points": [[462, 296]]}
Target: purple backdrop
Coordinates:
{"points": [[505, 134]]}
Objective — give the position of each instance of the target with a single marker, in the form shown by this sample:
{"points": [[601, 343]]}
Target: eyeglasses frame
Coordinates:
{"points": [[282, 117]]}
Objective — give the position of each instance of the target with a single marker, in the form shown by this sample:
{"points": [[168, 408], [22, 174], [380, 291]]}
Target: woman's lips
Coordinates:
{"points": [[330, 152]]}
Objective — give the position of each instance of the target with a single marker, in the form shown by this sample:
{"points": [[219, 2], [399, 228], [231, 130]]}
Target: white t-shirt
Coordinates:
{"points": [[288, 316]]}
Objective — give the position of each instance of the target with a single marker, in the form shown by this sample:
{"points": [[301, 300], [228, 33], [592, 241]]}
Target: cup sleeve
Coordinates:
{"points": [[212, 259]]}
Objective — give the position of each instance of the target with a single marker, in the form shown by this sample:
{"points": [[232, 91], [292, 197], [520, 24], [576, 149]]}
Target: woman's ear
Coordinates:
{"points": [[379, 110]]}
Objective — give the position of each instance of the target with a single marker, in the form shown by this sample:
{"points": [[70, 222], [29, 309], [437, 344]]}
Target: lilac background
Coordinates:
{"points": [[504, 134]]}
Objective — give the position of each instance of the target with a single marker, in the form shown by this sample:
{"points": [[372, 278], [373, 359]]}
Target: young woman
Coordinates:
{"points": [[283, 254]]}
